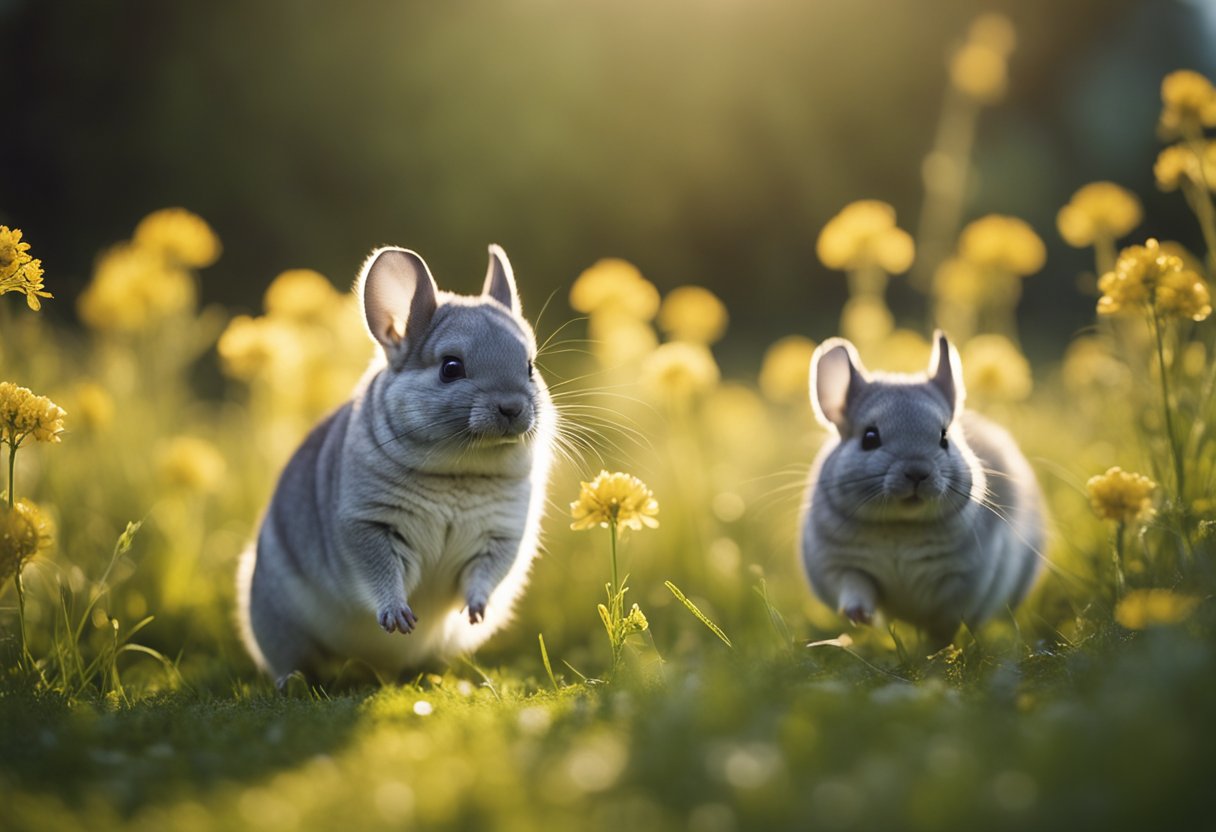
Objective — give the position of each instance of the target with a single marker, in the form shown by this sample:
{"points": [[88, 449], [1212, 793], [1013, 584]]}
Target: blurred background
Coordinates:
{"points": [[706, 142]]}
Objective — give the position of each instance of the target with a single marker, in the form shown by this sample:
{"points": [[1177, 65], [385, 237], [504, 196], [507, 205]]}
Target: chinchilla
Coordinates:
{"points": [[403, 528], [916, 508]]}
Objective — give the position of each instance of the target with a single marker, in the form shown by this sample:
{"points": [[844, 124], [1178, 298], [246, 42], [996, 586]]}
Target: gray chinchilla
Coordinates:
{"points": [[403, 528], [915, 508]]}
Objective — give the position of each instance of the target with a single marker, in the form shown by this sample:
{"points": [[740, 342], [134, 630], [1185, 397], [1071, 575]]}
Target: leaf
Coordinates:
{"points": [[544, 655], [702, 617]]}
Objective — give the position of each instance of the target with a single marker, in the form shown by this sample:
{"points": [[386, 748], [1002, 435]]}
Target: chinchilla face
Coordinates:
{"points": [[901, 453], [460, 369]]}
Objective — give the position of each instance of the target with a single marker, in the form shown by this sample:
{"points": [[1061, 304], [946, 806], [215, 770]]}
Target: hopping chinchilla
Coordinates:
{"points": [[404, 526], [916, 508]]}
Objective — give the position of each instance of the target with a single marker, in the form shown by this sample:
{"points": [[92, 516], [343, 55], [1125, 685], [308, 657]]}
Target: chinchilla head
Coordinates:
{"points": [[902, 453], [459, 368]]}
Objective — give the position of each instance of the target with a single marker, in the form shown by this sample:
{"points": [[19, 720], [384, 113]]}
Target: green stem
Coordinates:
{"points": [[1201, 203], [1117, 556], [12, 466], [27, 661], [1104, 255], [1175, 451], [615, 603]]}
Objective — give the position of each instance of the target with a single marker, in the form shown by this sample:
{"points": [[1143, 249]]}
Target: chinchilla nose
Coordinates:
{"points": [[514, 413], [916, 475], [511, 409]]}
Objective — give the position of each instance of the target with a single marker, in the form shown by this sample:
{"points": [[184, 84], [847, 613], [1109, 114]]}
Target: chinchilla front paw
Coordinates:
{"points": [[858, 612], [397, 618], [477, 610]]}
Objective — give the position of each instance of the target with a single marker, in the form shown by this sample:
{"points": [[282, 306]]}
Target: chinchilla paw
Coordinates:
{"points": [[397, 618]]}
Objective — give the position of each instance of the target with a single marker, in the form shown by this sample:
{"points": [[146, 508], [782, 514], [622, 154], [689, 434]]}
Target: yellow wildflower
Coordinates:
{"points": [[1099, 210], [1089, 363], [1188, 103], [635, 622], [1147, 275], [866, 318], [94, 406], [994, 369], [737, 420], [694, 314], [785, 373], [1001, 243], [22, 414], [1121, 495], [181, 237], [864, 234], [614, 500], [253, 347], [18, 271], [1144, 608], [960, 282], [995, 31], [191, 464], [677, 371], [24, 532], [903, 351], [1179, 164], [301, 295], [619, 339], [615, 285], [134, 288], [979, 72]]}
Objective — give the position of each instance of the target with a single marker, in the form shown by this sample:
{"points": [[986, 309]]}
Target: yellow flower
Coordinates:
{"points": [[94, 406], [864, 234], [1144, 608], [691, 313], [191, 464], [1121, 495], [960, 282], [254, 347], [1001, 243], [635, 622], [994, 31], [614, 499], [785, 373], [24, 532], [615, 285], [24, 414], [677, 371], [619, 339], [1188, 103], [866, 318], [1178, 164], [134, 288], [1148, 275], [994, 369], [18, 271], [1099, 210], [300, 295], [1089, 363], [903, 351], [182, 238], [979, 72]]}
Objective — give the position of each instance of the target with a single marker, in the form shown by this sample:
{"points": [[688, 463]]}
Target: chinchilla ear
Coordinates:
{"points": [[946, 371], [500, 280], [837, 376], [399, 296]]}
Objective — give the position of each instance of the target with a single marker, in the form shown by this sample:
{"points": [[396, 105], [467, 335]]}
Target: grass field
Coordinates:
{"points": [[127, 700]]}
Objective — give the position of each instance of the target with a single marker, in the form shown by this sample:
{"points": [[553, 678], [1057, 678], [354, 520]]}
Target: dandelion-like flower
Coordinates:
{"points": [[1004, 244], [994, 369], [1144, 608], [1188, 102], [864, 234], [181, 237], [134, 288], [677, 371], [301, 295], [615, 285], [979, 68], [616, 500], [693, 314], [785, 372], [1099, 210], [24, 532], [1121, 495], [1178, 165], [253, 347], [865, 319], [19, 272], [1147, 275], [22, 414], [191, 464]]}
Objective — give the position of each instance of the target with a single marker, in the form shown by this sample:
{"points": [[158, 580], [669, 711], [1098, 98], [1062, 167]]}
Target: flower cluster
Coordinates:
{"points": [[1121, 495], [785, 373], [693, 314], [614, 500], [1144, 608], [864, 234], [1148, 276], [24, 532], [620, 303], [141, 283], [1179, 166], [979, 68], [22, 414], [994, 369], [1098, 211], [1188, 103], [1003, 244], [191, 464], [678, 371], [19, 272]]}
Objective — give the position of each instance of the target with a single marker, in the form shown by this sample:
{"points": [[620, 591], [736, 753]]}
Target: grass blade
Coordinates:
{"points": [[702, 617]]}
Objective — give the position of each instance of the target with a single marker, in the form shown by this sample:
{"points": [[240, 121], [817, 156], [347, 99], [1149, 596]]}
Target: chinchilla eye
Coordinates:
{"points": [[529, 369], [450, 369], [870, 439], [945, 444]]}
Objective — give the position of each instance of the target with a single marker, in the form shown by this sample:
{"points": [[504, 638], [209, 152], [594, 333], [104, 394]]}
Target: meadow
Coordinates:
{"points": [[715, 693]]}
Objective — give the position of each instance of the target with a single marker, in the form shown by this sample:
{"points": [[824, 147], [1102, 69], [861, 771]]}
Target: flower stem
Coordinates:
{"points": [[1201, 203], [1175, 451], [1117, 557], [12, 465], [615, 603], [27, 661], [1104, 254]]}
